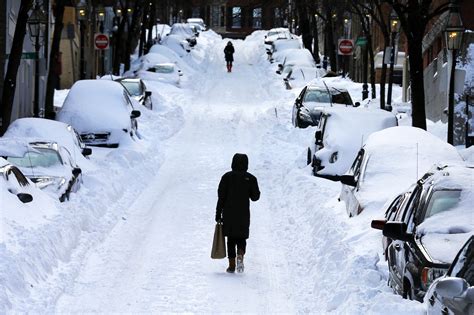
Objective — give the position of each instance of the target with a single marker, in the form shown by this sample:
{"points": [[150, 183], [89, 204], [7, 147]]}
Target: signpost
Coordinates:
{"points": [[345, 47], [101, 41]]}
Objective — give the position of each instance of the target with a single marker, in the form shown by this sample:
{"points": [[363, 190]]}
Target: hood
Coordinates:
{"points": [[240, 162]]}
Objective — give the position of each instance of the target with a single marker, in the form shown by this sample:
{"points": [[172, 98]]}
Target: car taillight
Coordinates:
{"points": [[428, 275]]}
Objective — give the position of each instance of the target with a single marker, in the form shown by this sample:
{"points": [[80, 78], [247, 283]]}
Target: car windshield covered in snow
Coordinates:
{"points": [[162, 69], [43, 158], [133, 87]]}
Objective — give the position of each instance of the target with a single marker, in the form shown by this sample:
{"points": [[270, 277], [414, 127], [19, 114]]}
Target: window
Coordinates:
{"points": [[277, 17], [236, 17], [257, 18], [41, 158], [441, 201], [316, 96], [215, 18]]}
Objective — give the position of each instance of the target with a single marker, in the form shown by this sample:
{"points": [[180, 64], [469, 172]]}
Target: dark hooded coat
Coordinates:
{"points": [[236, 189], [229, 52]]}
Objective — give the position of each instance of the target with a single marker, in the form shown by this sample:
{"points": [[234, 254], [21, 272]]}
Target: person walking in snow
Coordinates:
{"points": [[229, 55], [235, 190]]}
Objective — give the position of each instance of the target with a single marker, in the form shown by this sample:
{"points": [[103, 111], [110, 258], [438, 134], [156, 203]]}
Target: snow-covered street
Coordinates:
{"points": [[137, 237]]}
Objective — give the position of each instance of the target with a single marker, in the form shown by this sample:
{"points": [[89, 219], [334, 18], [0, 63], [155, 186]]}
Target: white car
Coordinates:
{"points": [[389, 162], [198, 22], [47, 164], [101, 111], [42, 129], [341, 133], [177, 44], [277, 34], [164, 72], [185, 31], [278, 47]]}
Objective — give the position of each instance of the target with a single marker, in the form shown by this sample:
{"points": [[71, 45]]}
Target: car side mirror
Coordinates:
{"points": [[357, 104], [397, 231], [348, 180], [451, 287], [265, 36], [147, 93], [378, 224], [86, 151], [319, 137], [135, 114], [278, 72], [76, 171], [25, 198]]}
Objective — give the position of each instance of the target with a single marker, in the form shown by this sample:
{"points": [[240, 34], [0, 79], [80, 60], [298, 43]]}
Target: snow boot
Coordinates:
{"points": [[228, 68], [231, 268], [240, 261]]}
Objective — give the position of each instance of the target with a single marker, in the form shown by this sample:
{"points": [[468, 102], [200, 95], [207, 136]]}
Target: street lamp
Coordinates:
{"points": [[367, 29], [81, 9], [394, 28], [37, 26], [453, 36]]}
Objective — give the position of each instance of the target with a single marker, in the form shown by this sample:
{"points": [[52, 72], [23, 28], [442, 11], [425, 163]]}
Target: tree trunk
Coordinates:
{"points": [[331, 46], [315, 41], [53, 73], [416, 82], [372, 67], [13, 63]]}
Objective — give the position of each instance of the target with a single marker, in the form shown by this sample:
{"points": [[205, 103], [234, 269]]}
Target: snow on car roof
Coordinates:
{"points": [[283, 44], [397, 158], [181, 29], [14, 147], [93, 104], [298, 57], [154, 58]]}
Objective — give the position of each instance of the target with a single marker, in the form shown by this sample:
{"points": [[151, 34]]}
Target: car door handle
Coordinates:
{"points": [[398, 247]]}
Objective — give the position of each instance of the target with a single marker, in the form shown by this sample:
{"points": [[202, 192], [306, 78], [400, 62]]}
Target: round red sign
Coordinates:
{"points": [[345, 47], [101, 41]]}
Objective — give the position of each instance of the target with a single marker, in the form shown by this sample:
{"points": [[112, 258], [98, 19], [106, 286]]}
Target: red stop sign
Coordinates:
{"points": [[101, 41], [345, 47]]}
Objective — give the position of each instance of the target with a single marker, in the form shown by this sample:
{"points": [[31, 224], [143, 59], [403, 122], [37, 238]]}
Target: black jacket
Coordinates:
{"points": [[235, 189], [229, 52]]}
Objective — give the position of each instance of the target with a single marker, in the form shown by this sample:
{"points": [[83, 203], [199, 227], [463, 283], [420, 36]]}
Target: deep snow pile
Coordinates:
{"points": [[305, 254]]}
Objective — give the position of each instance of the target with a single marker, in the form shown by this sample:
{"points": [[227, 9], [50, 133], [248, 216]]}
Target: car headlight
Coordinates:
{"points": [[304, 115], [45, 181], [333, 157], [428, 275]]}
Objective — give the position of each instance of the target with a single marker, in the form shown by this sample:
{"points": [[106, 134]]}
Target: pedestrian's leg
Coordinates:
{"points": [[231, 243], [230, 66], [241, 247]]}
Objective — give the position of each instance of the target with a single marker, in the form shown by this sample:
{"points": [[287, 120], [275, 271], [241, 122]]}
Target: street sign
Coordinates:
{"points": [[345, 47], [25, 55], [361, 41], [101, 41]]}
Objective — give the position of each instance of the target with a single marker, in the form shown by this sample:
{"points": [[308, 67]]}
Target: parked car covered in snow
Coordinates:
{"points": [[177, 44], [47, 164], [295, 57], [197, 22], [185, 31], [397, 156], [453, 293], [277, 34], [276, 52], [309, 104], [430, 229], [164, 72], [101, 111], [341, 133], [51, 130], [137, 89]]}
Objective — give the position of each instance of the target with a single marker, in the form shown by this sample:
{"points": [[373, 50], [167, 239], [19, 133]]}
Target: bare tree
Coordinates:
{"points": [[414, 16], [13, 64], [53, 74]]}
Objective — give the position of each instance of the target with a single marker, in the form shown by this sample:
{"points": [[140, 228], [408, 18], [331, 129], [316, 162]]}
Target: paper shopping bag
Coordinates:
{"points": [[218, 245]]}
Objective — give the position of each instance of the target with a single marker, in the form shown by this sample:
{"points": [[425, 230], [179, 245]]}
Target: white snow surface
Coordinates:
{"points": [[136, 238]]}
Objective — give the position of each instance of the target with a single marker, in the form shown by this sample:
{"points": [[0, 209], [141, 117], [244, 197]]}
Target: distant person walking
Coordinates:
{"points": [[229, 55], [233, 208]]}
